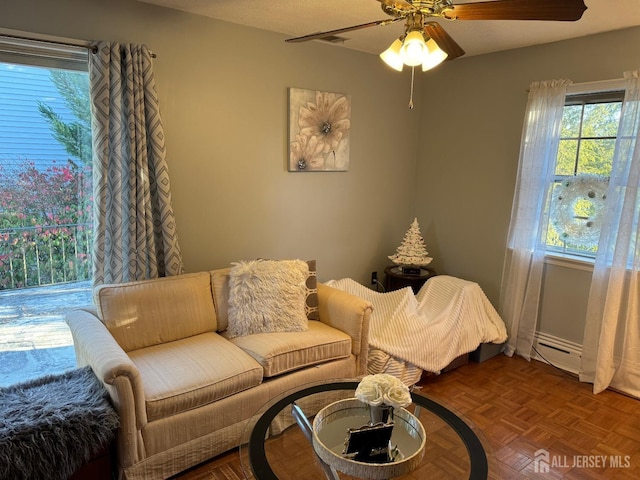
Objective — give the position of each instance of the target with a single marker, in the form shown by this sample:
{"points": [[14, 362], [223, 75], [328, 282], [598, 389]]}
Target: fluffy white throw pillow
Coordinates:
{"points": [[267, 296]]}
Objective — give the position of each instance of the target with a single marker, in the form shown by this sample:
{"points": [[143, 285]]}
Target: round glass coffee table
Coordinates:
{"points": [[276, 448]]}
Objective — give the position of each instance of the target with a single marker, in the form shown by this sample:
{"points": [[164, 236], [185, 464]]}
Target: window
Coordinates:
{"points": [[583, 167], [45, 165], [45, 204]]}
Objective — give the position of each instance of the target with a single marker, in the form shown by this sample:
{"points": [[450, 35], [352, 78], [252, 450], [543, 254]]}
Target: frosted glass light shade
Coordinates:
{"points": [[391, 56], [434, 56], [414, 48]]}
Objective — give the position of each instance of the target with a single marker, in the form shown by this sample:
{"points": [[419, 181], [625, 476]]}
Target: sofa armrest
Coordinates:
{"points": [[94, 346], [350, 314]]}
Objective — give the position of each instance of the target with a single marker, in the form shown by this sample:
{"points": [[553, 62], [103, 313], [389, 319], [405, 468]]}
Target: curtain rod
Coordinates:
{"points": [[68, 42], [595, 86]]}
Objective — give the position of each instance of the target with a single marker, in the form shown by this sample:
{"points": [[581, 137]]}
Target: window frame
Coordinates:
{"points": [[43, 51], [52, 54], [603, 91], [36, 50]]}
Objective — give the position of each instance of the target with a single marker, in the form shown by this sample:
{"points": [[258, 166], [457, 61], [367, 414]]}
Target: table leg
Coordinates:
{"points": [[302, 420]]}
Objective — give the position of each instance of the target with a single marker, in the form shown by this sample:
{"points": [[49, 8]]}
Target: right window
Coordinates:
{"points": [[583, 167]]}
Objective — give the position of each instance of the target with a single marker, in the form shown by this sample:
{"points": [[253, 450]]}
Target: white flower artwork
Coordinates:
{"points": [[319, 125]]}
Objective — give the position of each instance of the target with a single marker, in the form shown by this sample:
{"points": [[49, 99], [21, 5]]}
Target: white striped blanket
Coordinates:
{"points": [[379, 361], [447, 318]]}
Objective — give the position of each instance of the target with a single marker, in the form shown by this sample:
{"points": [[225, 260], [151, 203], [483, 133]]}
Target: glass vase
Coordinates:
{"points": [[380, 414]]}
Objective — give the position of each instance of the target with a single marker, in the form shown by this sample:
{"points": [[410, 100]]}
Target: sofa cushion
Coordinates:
{"points": [[150, 312], [286, 351], [220, 287], [267, 296], [192, 372]]}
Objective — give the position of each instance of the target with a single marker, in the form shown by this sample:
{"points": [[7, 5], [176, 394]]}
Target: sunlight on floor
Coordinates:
{"points": [[34, 339]]}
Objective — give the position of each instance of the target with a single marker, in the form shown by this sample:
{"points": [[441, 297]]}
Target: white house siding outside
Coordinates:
{"points": [[24, 133]]}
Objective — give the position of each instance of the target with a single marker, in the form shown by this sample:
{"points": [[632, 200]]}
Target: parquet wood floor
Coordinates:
{"points": [[520, 408]]}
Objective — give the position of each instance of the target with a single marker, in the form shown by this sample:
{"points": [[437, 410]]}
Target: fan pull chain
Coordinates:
{"points": [[411, 95]]}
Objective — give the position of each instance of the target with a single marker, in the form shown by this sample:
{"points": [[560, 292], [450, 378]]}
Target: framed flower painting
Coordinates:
{"points": [[319, 125]]}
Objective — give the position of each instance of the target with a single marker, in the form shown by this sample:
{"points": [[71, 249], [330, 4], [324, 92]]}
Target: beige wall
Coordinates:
{"points": [[469, 145], [451, 161], [223, 94]]}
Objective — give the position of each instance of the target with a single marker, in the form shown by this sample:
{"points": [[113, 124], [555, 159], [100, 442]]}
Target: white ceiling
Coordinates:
{"points": [[301, 17]]}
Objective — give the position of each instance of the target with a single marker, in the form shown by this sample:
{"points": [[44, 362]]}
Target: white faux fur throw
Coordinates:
{"points": [[267, 296], [447, 318]]}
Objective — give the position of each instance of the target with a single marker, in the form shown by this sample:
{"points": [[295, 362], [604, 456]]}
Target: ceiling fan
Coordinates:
{"points": [[426, 42]]}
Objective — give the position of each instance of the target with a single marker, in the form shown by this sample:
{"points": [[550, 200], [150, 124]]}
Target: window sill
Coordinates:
{"points": [[569, 261]]}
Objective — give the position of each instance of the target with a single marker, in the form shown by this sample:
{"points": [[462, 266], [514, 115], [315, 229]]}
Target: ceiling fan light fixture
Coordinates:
{"points": [[414, 49], [434, 57], [391, 56]]}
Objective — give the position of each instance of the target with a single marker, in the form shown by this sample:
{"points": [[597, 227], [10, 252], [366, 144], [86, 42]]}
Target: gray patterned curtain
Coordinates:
{"points": [[135, 231]]}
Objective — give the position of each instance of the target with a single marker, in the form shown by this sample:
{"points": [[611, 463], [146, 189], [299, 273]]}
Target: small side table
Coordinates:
{"points": [[394, 279]]}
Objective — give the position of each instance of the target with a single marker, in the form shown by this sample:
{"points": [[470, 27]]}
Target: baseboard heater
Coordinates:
{"points": [[557, 351], [555, 348]]}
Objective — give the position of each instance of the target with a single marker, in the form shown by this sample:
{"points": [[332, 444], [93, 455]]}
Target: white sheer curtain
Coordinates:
{"points": [[611, 347], [522, 275]]}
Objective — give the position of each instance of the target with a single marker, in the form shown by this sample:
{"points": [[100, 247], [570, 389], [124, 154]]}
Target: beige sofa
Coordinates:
{"points": [[183, 391]]}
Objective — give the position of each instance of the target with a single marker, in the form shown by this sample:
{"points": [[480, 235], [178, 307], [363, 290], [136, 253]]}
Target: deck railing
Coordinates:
{"points": [[45, 255]]}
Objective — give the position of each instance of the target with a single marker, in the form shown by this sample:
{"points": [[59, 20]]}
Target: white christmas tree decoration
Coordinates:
{"points": [[412, 250]]}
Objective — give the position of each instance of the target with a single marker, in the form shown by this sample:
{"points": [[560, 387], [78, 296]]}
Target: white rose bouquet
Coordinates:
{"points": [[383, 389]]}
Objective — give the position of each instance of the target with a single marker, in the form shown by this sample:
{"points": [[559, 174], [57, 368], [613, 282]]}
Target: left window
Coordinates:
{"points": [[45, 164], [46, 200]]}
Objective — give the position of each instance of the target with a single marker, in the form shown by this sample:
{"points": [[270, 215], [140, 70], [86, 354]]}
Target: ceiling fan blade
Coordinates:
{"points": [[444, 40], [558, 10], [321, 35]]}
